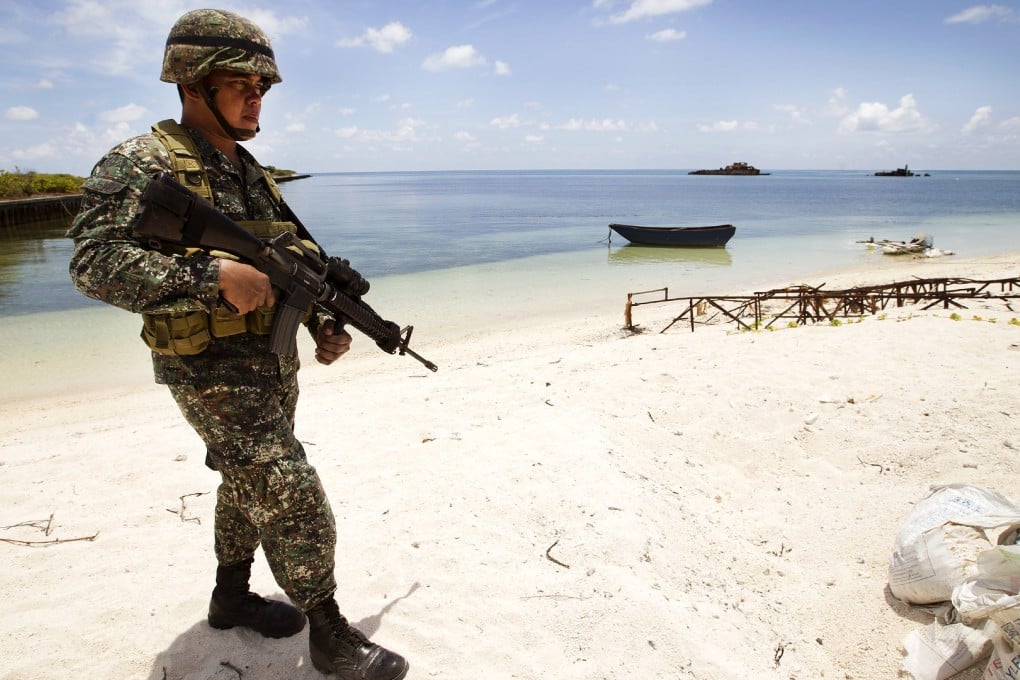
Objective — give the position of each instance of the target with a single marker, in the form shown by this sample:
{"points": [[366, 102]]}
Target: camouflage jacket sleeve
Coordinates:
{"points": [[110, 264]]}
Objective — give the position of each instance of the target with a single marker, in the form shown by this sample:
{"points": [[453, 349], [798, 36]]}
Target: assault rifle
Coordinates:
{"points": [[171, 213]]}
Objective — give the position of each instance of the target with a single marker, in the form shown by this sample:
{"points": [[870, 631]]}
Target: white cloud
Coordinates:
{"points": [[464, 136], [836, 106], [405, 132], [458, 56], [1010, 124], [506, 122], [117, 133], [720, 126], [667, 35], [22, 113], [124, 42], [640, 9], [296, 120], [978, 120], [131, 33], [45, 84], [383, 39], [726, 126], [533, 139], [33, 153], [125, 113], [274, 26], [604, 125], [877, 117], [981, 13], [797, 115], [79, 141], [502, 68]]}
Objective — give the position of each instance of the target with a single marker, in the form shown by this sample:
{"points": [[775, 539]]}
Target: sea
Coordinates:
{"points": [[541, 235]]}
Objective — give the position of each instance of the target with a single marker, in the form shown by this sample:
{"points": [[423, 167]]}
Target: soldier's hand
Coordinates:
{"points": [[244, 287], [331, 343]]}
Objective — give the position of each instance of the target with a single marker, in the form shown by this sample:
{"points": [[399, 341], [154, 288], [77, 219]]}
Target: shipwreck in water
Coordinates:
{"points": [[738, 168]]}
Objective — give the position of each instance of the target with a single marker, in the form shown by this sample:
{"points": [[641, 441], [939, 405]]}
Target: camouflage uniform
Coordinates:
{"points": [[237, 395]]}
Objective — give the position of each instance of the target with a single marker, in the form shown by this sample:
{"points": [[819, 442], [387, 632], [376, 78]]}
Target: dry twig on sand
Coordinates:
{"points": [[46, 526], [184, 507]]}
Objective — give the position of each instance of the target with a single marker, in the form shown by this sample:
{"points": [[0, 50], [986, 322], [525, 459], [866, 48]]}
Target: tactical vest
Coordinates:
{"points": [[189, 331]]}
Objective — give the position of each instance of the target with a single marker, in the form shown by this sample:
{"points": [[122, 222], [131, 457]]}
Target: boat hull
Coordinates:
{"points": [[688, 237]]}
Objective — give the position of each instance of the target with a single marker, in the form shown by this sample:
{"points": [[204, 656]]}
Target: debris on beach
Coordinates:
{"points": [[957, 557], [921, 244]]}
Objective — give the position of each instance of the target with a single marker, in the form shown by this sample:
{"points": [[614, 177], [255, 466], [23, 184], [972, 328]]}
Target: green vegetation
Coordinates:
{"points": [[279, 172], [17, 184], [24, 184]]}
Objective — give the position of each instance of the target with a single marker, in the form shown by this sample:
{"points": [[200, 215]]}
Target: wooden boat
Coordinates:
{"points": [[688, 237]]}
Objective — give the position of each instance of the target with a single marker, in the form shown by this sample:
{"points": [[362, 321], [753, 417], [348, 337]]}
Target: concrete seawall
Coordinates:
{"points": [[27, 211]]}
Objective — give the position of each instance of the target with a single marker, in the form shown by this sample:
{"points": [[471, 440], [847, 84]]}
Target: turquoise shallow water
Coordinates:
{"points": [[553, 226]]}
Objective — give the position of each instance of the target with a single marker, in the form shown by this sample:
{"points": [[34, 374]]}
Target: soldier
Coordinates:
{"points": [[207, 320]]}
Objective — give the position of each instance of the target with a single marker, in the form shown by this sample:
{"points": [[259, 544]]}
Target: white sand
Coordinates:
{"points": [[561, 500]]}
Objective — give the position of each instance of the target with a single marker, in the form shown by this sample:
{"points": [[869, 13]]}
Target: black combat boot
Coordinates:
{"points": [[233, 605], [338, 648]]}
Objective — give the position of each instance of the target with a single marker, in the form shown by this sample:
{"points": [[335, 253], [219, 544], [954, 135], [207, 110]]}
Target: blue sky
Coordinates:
{"points": [[544, 84]]}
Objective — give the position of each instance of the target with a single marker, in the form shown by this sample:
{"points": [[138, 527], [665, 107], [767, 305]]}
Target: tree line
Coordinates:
{"points": [[17, 184]]}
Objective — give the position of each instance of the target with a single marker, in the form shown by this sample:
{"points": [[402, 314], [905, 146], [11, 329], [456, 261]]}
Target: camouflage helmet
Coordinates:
{"points": [[208, 39]]}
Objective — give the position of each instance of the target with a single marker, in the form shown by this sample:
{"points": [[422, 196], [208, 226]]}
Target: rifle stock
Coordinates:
{"points": [[170, 212]]}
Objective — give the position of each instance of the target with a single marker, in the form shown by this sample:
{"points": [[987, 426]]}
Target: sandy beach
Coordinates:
{"points": [[563, 499]]}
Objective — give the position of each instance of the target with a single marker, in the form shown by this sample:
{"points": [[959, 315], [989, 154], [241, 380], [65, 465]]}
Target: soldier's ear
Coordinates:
{"points": [[189, 91]]}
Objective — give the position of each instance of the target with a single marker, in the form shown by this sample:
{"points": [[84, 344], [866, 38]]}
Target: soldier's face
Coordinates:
{"points": [[239, 97]]}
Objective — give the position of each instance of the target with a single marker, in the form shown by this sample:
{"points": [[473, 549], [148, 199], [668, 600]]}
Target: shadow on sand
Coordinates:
{"points": [[204, 653]]}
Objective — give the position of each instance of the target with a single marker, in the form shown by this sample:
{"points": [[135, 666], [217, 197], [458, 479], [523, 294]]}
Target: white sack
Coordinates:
{"points": [[938, 546]]}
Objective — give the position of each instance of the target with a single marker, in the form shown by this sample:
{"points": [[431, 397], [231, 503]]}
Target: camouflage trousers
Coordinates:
{"points": [[269, 494]]}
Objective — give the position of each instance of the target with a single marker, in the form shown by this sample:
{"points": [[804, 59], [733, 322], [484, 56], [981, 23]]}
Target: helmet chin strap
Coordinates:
{"points": [[237, 134]]}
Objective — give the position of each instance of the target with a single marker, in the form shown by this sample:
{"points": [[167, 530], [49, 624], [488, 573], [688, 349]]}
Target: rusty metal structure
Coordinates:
{"points": [[810, 304]]}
